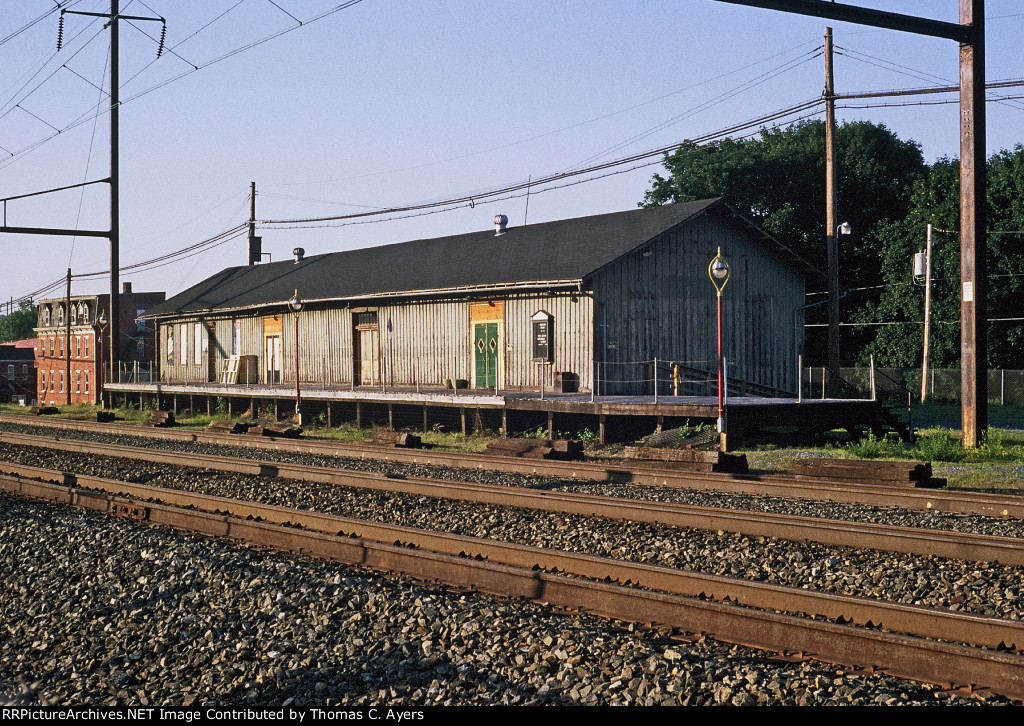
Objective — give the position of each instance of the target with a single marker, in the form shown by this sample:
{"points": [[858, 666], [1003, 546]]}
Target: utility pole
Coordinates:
{"points": [[255, 243], [969, 33], [67, 340], [973, 222], [115, 210], [832, 238], [927, 312]]}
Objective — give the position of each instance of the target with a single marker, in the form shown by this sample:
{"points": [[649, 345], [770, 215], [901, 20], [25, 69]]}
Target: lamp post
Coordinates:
{"points": [[295, 305], [101, 324], [718, 271]]}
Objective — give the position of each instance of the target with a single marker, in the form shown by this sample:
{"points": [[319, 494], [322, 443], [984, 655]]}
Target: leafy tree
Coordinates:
{"points": [[900, 305], [936, 199], [19, 324], [778, 179]]}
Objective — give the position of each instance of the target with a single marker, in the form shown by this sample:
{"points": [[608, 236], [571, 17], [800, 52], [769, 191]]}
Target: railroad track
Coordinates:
{"points": [[912, 649], [954, 502], [955, 545]]}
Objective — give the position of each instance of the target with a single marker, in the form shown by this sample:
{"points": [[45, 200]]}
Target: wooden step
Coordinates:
{"points": [[162, 419], [908, 473], [693, 459]]}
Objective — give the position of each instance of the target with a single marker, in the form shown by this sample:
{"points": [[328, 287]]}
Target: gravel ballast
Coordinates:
{"points": [[105, 611], [981, 588]]}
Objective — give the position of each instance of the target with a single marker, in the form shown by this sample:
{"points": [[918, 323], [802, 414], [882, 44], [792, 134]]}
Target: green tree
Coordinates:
{"points": [[19, 324], [898, 310], [900, 306], [778, 179]]}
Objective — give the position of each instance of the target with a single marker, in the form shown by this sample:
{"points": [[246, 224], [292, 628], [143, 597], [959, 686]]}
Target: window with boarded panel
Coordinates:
{"points": [[364, 320]]}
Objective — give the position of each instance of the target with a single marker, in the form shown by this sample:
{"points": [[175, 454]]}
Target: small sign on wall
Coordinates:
{"points": [[543, 349]]}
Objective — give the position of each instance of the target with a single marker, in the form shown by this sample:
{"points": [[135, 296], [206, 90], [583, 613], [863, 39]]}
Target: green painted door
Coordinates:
{"points": [[485, 351]]}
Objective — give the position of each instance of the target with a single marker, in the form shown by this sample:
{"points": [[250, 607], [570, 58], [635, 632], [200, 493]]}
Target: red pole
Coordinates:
{"points": [[720, 367], [99, 378], [298, 397]]}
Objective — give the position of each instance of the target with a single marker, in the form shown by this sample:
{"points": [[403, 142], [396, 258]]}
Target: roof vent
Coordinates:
{"points": [[299, 254], [500, 223]]}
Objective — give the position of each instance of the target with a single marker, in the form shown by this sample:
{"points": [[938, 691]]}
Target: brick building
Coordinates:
{"points": [[18, 371], [69, 350]]}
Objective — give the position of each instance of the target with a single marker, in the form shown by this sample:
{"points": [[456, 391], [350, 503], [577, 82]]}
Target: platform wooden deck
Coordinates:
{"points": [[615, 417]]}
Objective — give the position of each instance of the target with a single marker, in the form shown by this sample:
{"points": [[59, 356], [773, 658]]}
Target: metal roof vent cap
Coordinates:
{"points": [[299, 254], [500, 224]]}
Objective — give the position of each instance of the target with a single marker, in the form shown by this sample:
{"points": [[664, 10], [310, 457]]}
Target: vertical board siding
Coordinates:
{"points": [[571, 336], [656, 302], [664, 306], [172, 368], [421, 342], [425, 343], [325, 346]]}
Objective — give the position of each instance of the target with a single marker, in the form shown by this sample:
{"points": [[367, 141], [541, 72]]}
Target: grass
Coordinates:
{"points": [[996, 465]]}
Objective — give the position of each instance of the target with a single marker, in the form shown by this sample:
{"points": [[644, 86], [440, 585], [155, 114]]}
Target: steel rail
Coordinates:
{"points": [[949, 665], [925, 622], [954, 545], [791, 487]]}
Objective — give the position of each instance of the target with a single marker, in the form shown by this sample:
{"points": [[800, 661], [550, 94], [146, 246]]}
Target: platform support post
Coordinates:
{"points": [[799, 378], [601, 430]]}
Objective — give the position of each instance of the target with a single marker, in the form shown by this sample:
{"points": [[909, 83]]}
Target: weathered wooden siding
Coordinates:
{"points": [[571, 335], [325, 346], [421, 342], [660, 303], [178, 351], [656, 303]]}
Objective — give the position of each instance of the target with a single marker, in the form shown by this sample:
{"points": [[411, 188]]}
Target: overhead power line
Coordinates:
{"points": [[88, 116], [487, 195]]}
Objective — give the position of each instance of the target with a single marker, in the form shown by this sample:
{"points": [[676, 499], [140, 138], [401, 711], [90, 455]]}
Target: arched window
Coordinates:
{"points": [[84, 313]]}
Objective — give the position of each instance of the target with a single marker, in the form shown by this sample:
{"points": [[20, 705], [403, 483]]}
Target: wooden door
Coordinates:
{"points": [[272, 357], [368, 356], [485, 354]]}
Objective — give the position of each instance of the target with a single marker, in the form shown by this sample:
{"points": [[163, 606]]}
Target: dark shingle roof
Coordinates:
{"points": [[552, 252], [10, 352]]}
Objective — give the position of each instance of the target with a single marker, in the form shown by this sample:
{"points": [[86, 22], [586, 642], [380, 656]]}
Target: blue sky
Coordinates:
{"points": [[385, 104]]}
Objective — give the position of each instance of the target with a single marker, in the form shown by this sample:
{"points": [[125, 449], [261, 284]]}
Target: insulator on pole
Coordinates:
{"points": [[163, 36], [60, 31]]}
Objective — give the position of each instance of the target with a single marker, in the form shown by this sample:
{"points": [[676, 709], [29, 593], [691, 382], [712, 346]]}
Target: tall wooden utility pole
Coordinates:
{"points": [[832, 240], [115, 209], [255, 243], [927, 313], [970, 34], [67, 339], [973, 218]]}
